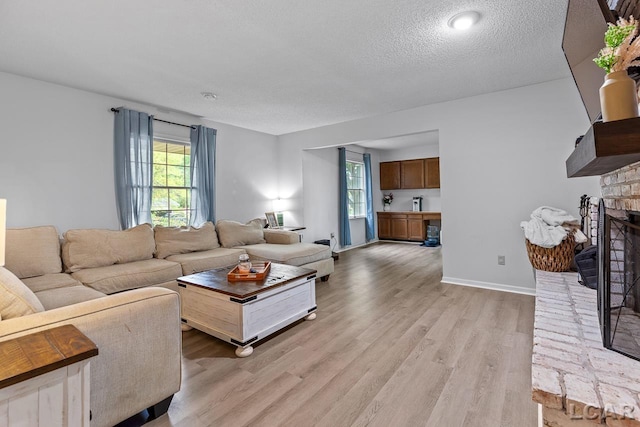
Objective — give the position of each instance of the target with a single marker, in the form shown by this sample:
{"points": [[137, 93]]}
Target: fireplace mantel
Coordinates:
{"points": [[606, 147], [574, 378]]}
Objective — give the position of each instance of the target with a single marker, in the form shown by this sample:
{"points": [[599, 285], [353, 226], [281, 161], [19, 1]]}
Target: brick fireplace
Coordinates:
{"points": [[621, 190], [575, 379]]}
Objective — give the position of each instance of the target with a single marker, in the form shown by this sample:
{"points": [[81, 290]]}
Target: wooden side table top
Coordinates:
{"points": [[216, 280], [41, 352]]}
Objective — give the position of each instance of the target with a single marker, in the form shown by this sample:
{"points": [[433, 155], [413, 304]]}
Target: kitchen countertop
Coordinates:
{"points": [[411, 212]]}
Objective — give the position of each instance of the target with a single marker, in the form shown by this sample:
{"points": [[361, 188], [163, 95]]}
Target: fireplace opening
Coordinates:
{"points": [[619, 283]]}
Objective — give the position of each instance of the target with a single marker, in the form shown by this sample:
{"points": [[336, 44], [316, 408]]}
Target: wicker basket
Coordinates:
{"points": [[555, 259]]}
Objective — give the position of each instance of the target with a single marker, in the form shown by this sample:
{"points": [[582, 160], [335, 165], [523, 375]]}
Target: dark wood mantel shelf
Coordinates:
{"points": [[606, 147]]}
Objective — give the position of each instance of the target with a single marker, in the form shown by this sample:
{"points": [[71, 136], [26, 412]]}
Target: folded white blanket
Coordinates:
{"points": [[548, 227], [553, 216]]}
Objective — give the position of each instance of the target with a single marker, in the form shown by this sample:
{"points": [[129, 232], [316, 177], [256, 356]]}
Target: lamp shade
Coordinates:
{"points": [[3, 227]]}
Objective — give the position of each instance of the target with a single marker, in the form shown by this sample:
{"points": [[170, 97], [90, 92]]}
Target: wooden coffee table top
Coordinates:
{"points": [[216, 280]]}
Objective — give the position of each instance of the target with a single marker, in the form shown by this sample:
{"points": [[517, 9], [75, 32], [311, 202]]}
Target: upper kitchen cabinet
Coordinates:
{"points": [[389, 175], [432, 172], [410, 174]]}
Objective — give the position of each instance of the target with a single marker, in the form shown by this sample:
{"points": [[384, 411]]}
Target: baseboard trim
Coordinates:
{"points": [[348, 248], [488, 285]]}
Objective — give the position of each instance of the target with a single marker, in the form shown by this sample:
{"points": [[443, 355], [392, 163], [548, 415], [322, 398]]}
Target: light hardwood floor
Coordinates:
{"points": [[391, 346]]}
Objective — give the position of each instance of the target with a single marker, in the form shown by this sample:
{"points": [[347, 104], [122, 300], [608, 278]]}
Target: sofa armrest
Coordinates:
{"points": [[139, 346], [281, 237]]}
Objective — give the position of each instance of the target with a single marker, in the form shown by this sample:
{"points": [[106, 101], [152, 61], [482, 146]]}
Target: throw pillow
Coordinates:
{"points": [[232, 233], [182, 240], [16, 299]]}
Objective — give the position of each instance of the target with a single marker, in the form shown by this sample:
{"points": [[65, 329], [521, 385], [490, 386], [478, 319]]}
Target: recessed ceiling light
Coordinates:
{"points": [[209, 96], [464, 20]]}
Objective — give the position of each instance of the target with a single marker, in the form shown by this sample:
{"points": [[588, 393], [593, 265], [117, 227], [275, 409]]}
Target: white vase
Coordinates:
{"points": [[618, 99], [386, 207]]}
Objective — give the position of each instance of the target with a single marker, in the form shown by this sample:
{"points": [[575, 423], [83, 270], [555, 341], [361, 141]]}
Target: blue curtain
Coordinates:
{"points": [[203, 172], [345, 230], [370, 233], [133, 151]]}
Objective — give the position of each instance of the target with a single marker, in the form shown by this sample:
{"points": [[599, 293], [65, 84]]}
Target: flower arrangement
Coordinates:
{"points": [[622, 46], [387, 198]]}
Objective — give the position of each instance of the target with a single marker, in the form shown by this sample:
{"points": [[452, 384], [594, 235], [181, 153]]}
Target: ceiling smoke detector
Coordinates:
{"points": [[464, 20], [210, 96]]}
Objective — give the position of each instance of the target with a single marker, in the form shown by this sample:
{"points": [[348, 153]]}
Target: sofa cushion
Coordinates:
{"points": [[90, 248], [232, 233], [33, 251], [60, 297], [281, 237], [50, 281], [195, 262], [182, 240], [16, 299], [297, 254], [122, 277]]}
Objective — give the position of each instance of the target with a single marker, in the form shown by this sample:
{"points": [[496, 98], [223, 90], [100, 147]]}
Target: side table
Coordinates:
{"points": [[44, 378]]}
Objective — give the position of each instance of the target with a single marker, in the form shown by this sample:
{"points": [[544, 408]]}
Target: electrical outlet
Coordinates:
{"points": [[333, 235], [500, 259]]}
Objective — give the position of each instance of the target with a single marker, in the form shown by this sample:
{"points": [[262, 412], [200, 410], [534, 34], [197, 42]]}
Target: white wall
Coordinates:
{"points": [[320, 176], [56, 165], [403, 199], [321, 189], [501, 156]]}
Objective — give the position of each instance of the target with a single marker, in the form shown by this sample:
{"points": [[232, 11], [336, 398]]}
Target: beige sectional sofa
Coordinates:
{"points": [[115, 261], [137, 367], [83, 282]]}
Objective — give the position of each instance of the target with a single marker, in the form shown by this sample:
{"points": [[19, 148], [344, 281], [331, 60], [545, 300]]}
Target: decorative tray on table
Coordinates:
{"points": [[259, 271]]}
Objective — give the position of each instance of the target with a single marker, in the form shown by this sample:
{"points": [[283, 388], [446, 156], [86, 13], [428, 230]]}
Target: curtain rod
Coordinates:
{"points": [[115, 110], [349, 151]]}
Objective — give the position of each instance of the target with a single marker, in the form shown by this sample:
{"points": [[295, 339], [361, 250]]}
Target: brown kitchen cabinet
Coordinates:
{"points": [[432, 172], [389, 175], [410, 174], [399, 229], [384, 227], [415, 227], [404, 225]]}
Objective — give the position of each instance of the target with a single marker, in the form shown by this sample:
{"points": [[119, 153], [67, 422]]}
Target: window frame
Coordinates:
{"points": [[186, 166], [351, 203]]}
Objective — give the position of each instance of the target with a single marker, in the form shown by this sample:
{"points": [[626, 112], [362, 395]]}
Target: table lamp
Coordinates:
{"points": [[3, 226], [278, 207]]}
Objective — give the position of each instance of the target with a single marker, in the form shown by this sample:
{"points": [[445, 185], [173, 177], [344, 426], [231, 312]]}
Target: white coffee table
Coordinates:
{"points": [[242, 313]]}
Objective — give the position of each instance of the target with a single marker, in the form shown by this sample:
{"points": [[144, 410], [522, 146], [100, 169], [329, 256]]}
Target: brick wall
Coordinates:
{"points": [[621, 190]]}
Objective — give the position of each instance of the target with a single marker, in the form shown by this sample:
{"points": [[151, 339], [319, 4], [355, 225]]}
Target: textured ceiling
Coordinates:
{"points": [[283, 65]]}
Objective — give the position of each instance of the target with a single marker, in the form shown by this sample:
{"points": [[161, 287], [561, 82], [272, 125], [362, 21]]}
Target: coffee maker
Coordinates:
{"points": [[417, 204]]}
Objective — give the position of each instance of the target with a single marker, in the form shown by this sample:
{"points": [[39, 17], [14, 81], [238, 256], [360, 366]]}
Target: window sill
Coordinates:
{"points": [[358, 217]]}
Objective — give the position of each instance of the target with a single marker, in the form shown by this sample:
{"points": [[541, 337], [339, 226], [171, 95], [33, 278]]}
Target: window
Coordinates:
{"points": [[355, 189], [170, 197]]}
